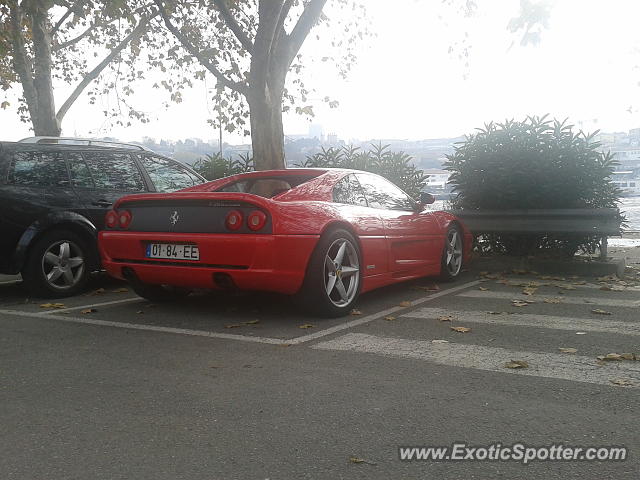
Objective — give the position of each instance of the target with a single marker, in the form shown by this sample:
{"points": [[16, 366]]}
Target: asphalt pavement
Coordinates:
{"points": [[106, 385]]}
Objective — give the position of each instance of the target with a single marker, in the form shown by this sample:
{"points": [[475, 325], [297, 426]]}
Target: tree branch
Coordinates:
{"points": [[73, 41], [233, 25], [193, 50], [59, 23], [93, 74], [305, 23]]}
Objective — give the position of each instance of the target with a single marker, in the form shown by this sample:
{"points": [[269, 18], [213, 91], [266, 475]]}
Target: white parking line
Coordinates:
{"points": [[575, 300], [152, 328], [374, 316], [203, 333], [550, 365], [531, 320], [94, 305]]}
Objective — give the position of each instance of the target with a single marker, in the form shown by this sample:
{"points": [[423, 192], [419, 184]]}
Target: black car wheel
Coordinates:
{"points": [[333, 280], [57, 264], [451, 264]]}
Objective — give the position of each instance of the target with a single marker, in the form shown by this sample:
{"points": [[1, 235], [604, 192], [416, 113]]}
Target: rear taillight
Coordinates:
{"points": [[124, 218], [111, 219], [256, 220], [234, 220]]}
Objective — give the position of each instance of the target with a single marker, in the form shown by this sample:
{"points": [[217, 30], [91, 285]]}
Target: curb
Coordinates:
{"points": [[593, 268]]}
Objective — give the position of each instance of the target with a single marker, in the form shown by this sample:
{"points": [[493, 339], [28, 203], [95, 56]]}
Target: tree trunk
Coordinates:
{"points": [[44, 121], [267, 136]]}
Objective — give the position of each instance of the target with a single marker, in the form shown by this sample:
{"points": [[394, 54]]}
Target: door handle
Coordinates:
{"points": [[101, 203]]}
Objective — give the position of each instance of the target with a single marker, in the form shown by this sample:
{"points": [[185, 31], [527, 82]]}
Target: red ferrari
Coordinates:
{"points": [[324, 235]]}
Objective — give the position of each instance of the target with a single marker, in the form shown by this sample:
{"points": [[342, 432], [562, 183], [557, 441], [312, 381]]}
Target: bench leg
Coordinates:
{"points": [[603, 247]]}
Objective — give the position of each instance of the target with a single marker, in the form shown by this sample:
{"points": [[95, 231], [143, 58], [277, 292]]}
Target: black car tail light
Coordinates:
{"points": [[124, 218], [111, 219], [233, 220], [256, 220]]}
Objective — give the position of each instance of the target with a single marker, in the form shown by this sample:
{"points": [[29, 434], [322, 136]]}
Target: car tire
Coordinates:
{"points": [[158, 293], [452, 254], [333, 278], [58, 264]]}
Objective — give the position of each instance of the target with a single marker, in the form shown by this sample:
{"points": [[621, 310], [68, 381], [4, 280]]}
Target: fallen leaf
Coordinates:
{"points": [[439, 341], [568, 350], [581, 333], [88, 310], [552, 300], [405, 304], [529, 290], [233, 325], [599, 311], [581, 282], [140, 312], [356, 312], [446, 318], [629, 356], [99, 291], [519, 303], [483, 274], [121, 290], [483, 289], [496, 313], [461, 329], [520, 272], [52, 305], [389, 318], [623, 382], [356, 460], [306, 325], [610, 357], [516, 364], [251, 322]]}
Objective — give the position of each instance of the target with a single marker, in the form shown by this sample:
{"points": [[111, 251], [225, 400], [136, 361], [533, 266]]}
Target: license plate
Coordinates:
{"points": [[173, 251]]}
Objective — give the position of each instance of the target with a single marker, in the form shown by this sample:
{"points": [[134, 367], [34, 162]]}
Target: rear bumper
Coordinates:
{"points": [[275, 263]]}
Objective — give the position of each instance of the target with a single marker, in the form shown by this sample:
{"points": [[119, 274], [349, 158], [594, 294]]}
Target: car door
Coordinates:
{"points": [[348, 194], [411, 233], [102, 177], [167, 175], [36, 183]]}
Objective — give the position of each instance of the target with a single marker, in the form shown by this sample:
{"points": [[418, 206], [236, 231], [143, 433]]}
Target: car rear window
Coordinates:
{"points": [[37, 169], [267, 187]]}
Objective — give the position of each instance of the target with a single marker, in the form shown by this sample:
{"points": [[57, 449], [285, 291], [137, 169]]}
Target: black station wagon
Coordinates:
{"points": [[54, 194]]}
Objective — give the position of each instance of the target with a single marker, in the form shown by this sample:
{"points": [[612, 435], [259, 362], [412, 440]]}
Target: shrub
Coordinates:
{"points": [[215, 166], [532, 164], [394, 166]]}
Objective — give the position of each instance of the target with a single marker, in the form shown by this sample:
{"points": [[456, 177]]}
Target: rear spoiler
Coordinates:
{"points": [[150, 198]]}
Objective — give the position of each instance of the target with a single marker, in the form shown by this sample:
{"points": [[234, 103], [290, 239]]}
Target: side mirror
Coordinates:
{"points": [[426, 198]]}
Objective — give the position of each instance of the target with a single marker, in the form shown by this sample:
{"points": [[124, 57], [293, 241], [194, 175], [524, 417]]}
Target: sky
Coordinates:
{"points": [[408, 85]]}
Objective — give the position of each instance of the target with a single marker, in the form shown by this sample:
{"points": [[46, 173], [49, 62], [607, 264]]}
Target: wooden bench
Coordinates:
{"points": [[602, 222]]}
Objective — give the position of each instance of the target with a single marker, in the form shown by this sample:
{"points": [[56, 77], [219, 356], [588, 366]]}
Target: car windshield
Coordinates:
{"points": [[267, 187]]}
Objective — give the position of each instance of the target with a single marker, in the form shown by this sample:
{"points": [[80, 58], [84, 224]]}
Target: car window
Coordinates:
{"points": [[348, 190], [167, 175], [79, 172], [263, 187], [38, 169], [381, 193], [114, 171]]}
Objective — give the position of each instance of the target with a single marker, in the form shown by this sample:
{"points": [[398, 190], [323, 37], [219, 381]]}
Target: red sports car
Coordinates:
{"points": [[324, 235]]}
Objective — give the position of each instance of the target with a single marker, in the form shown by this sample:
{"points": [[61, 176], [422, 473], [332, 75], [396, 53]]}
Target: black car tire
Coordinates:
{"points": [[46, 276], [451, 266], [321, 270]]}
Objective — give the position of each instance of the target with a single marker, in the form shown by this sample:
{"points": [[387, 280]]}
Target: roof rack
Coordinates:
{"points": [[81, 141]]}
